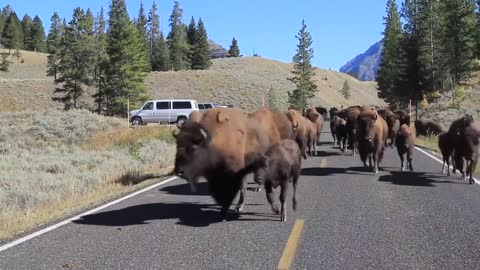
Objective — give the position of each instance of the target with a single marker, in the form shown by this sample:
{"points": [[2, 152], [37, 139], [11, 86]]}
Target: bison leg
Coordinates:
{"points": [[295, 181], [270, 199], [283, 200], [402, 167], [241, 200], [473, 166], [375, 163]]}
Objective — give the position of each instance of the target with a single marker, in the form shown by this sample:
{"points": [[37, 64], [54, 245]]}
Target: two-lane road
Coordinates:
{"points": [[352, 220]]}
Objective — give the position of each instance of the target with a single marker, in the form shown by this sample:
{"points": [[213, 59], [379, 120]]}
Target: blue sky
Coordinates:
{"points": [[340, 29]]}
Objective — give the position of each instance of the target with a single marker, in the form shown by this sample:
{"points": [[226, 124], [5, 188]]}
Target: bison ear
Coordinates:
{"points": [[204, 134], [222, 117]]}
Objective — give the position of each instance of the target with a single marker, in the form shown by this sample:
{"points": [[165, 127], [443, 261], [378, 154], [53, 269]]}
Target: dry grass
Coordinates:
{"points": [[241, 82], [51, 159]]}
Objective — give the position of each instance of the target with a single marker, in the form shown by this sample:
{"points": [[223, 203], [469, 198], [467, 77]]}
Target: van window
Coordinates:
{"points": [[182, 105], [164, 105], [200, 106], [208, 106], [148, 106]]}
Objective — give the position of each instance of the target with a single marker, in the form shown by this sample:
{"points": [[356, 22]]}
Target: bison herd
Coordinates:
{"points": [[224, 145]]}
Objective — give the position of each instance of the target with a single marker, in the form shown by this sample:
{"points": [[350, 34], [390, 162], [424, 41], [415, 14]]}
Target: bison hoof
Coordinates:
{"points": [[239, 209], [471, 181], [283, 219], [294, 205], [275, 210], [258, 189], [402, 169]]}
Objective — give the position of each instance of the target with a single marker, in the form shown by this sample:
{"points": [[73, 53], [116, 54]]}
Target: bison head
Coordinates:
{"points": [[261, 169], [366, 126], [192, 156]]}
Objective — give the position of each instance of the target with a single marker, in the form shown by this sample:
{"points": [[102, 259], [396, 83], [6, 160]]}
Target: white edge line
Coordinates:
{"points": [[55, 226], [440, 161]]}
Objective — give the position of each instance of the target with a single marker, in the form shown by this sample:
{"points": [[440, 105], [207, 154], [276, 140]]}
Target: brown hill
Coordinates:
{"points": [[242, 82]]}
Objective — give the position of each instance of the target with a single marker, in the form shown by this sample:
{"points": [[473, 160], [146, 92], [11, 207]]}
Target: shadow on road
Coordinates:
{"points": [[316, 171], [420, 179], [327, 154], [184, 189], [188, 214]]}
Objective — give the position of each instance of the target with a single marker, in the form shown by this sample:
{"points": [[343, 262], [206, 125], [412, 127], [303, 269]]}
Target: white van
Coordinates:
{"points": [[164, 111]]}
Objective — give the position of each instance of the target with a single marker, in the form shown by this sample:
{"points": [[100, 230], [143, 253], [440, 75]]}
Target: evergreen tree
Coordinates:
{"points": [[273, 101], [101, 60], [141, 23], [162, 60], [53, 45], [4, 13], [201, 50], [12, 36], [177, 40], [27, 35], [345, 91], [5, 63], [128, 61], [38, 35], [77, 52], [234, 51], [477, 55], [388, 71], [191, 32], [303, 71], [459, 38], [430, 31]]}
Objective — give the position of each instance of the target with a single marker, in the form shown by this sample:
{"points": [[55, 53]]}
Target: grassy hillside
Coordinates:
{"points": [[241, 82]]}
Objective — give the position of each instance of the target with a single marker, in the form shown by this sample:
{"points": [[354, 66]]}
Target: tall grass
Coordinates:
{"points": [[47, 157]]}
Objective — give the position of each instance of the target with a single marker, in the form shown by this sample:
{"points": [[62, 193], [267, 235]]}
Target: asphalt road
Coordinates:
{"points": [[353, 220]]}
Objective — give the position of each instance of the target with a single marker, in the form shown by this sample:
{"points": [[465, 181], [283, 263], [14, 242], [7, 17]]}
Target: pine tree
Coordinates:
{"points": [[4, 14], [38, 35], [163, 56], [53, 45], [128, 61], [459, 38], [273, 101], [76, 63], [141, 24], [101, 60], [345, 91], [177, 40], [477, 52], [201, 49], [234, 51], [27, 35], [303, 71], [5, 63], [12, 36], [388, 71], [430, 31], [191, 32]]}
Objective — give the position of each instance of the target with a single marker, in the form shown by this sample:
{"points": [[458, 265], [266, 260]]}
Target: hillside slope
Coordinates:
{"points": [[365, 65], [242, 82]]}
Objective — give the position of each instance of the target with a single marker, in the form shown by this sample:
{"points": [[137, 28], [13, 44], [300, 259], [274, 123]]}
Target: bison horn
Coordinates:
{"points": [[204, 133]]}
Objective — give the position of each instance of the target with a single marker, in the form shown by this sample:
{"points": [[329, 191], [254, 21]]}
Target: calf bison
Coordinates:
{"points": [[333, 112], [372, 132], [466, 149], [317, 120], [340, 132], [311, 137], [446, 148], [279, 166], [223, 147], [405, 143]]}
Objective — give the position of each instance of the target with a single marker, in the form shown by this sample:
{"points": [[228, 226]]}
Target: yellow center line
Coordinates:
{"points": [[291, 247], [323, 163]]}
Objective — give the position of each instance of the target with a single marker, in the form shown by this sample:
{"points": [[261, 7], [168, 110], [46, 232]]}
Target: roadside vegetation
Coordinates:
{"points": [[54, 163]]}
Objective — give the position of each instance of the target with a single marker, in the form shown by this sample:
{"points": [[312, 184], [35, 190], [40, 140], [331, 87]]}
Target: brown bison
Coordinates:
{"points": [[403, 117], [317, 119], [392, 122], [372, 132], [340, 130], [446, 147], [405, 143], [333, 112], [279, 166], [301, 130], [223, 147], [350, 115], [465, 139], [311, 137], [322, 111], [428, 128]]}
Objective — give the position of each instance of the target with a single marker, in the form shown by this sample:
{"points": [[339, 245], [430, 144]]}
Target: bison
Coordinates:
{"points": [[403, 117], [392, 122], [223, 147], [301, 130], [426, 127], [405, 143], [372, 132], [446, 148], [456, 133], [322, 111], [279, 166], [333, 112], [317, 120], [311, 137], [340, 132]]}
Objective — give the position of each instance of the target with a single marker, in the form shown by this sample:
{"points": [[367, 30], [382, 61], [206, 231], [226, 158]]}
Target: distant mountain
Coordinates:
{"points": [[365, 65], [216, 50]]}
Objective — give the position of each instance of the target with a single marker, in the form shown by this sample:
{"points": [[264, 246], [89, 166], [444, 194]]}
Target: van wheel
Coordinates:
{"points": [[181, 121], [137, 121]]}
